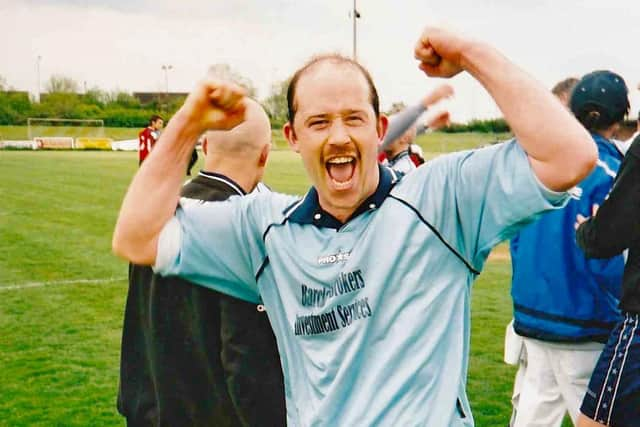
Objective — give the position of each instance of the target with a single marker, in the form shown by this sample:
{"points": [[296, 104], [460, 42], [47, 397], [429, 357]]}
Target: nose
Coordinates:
{"points": [[338, 134]]}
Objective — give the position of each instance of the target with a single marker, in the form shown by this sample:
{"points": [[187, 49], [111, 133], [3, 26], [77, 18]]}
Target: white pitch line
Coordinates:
{"points": [[28, 285]]}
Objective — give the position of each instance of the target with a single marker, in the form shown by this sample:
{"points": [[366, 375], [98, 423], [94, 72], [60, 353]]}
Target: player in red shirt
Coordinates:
{"points": [[148, 137]]}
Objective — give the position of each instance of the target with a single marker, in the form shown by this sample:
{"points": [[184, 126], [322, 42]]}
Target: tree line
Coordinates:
{"points": [[121, 109]]}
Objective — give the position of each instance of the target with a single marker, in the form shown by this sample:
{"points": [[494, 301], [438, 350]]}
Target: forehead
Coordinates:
{"points": [[329, 87]]}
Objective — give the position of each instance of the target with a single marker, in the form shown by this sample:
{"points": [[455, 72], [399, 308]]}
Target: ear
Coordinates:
{"points": [[290, 136], [204, 145], [264, 155], [383, 124]]}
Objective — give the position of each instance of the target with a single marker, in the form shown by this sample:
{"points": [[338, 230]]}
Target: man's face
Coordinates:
{"points": [[337, 134], [158, 124]]}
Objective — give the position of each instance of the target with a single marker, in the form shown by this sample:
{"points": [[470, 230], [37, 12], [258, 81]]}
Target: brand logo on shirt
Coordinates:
{"points": [[332, 259]]}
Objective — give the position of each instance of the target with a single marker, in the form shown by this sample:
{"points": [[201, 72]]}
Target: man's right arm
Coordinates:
{"points": [[153, 195]]}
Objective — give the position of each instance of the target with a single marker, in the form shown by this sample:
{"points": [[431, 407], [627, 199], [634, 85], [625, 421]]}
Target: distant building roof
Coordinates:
{"points": [[148, 97]]}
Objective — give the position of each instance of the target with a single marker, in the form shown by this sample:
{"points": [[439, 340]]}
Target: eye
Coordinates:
{"points": [[318, 123], [354, 120]]}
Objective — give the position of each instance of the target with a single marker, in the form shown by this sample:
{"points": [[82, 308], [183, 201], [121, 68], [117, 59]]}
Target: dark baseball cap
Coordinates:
{"points": [[602, 91]]}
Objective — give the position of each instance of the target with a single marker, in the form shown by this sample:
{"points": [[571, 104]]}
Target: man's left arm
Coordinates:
{"points": [[560, 150]]}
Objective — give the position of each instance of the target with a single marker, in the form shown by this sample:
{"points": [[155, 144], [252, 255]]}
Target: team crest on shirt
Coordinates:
{"points": [[333, 258]]}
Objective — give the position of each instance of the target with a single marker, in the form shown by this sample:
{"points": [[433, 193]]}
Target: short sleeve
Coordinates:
{"points": [[213, 244]]}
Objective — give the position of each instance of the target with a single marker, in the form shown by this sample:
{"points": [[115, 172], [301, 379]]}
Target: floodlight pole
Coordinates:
{"points": [[355, 14], [166, 69], [38, 78]]}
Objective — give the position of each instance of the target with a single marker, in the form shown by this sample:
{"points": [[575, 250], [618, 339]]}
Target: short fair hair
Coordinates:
{"points": [[565, 87]]}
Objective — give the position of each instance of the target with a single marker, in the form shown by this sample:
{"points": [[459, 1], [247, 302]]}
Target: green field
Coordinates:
{"points": [[431, 142], [59, 343]]}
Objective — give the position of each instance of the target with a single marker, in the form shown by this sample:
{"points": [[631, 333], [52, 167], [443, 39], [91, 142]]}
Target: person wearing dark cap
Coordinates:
{"points": [[613, 396], [565, 305], [192, 356]]}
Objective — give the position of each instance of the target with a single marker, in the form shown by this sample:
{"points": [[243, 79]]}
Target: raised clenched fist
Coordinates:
{"points": [[440, 93], [439, 52], [215, 105]]}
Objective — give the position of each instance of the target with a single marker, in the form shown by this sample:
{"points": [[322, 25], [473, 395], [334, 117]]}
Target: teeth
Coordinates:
{"points": [[340, 160]]}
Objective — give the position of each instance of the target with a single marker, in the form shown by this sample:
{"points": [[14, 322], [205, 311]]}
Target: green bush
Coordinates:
{"points": [[124, 117], [13, 107], [498, 125]]}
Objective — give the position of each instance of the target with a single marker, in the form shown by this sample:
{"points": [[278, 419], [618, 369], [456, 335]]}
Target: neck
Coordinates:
{"points": [[243, 176]]}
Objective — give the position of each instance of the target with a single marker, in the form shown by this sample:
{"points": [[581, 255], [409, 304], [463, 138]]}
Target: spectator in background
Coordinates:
{"points": [[190, 355], [398, 150], [514, 351], [148, 137], [563, 89], [565, 305]]}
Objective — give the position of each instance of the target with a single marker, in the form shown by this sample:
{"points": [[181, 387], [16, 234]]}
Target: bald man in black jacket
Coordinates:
{"points": [[192, 356]]}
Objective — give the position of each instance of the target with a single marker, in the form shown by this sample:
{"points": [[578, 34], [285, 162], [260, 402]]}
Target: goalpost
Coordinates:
{"points": [[56, 133], [56, 127]]}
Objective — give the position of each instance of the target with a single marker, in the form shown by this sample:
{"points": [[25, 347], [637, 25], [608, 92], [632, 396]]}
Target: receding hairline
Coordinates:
{"points": [[324, 60], [320, 68]]}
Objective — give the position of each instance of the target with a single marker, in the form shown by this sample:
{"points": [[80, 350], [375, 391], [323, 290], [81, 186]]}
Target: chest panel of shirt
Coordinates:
{"points": [[377, 283]]}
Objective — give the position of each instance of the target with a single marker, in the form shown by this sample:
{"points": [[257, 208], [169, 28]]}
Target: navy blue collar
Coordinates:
{"points": [[308, 210], [224, 179]]}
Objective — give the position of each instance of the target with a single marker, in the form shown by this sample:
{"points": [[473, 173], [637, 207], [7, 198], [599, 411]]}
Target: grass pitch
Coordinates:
{"points": [[60, 335]]}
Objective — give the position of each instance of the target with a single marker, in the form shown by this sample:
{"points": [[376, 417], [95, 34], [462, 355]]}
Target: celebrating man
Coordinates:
{"points": [[363, 339]]}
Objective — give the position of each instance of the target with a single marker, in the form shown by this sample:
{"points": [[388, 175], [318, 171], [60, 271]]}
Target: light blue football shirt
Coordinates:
{"points": [[371, 316]]}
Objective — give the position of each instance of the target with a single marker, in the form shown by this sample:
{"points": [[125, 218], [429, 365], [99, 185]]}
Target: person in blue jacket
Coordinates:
{"points": [[564, 304]]}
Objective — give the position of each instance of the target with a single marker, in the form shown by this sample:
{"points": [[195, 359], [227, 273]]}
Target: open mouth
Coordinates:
{"points": [[341, 170]]}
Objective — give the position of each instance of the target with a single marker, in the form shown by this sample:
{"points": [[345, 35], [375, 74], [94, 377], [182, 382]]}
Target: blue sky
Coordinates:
{"points": [[123, 44]]}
